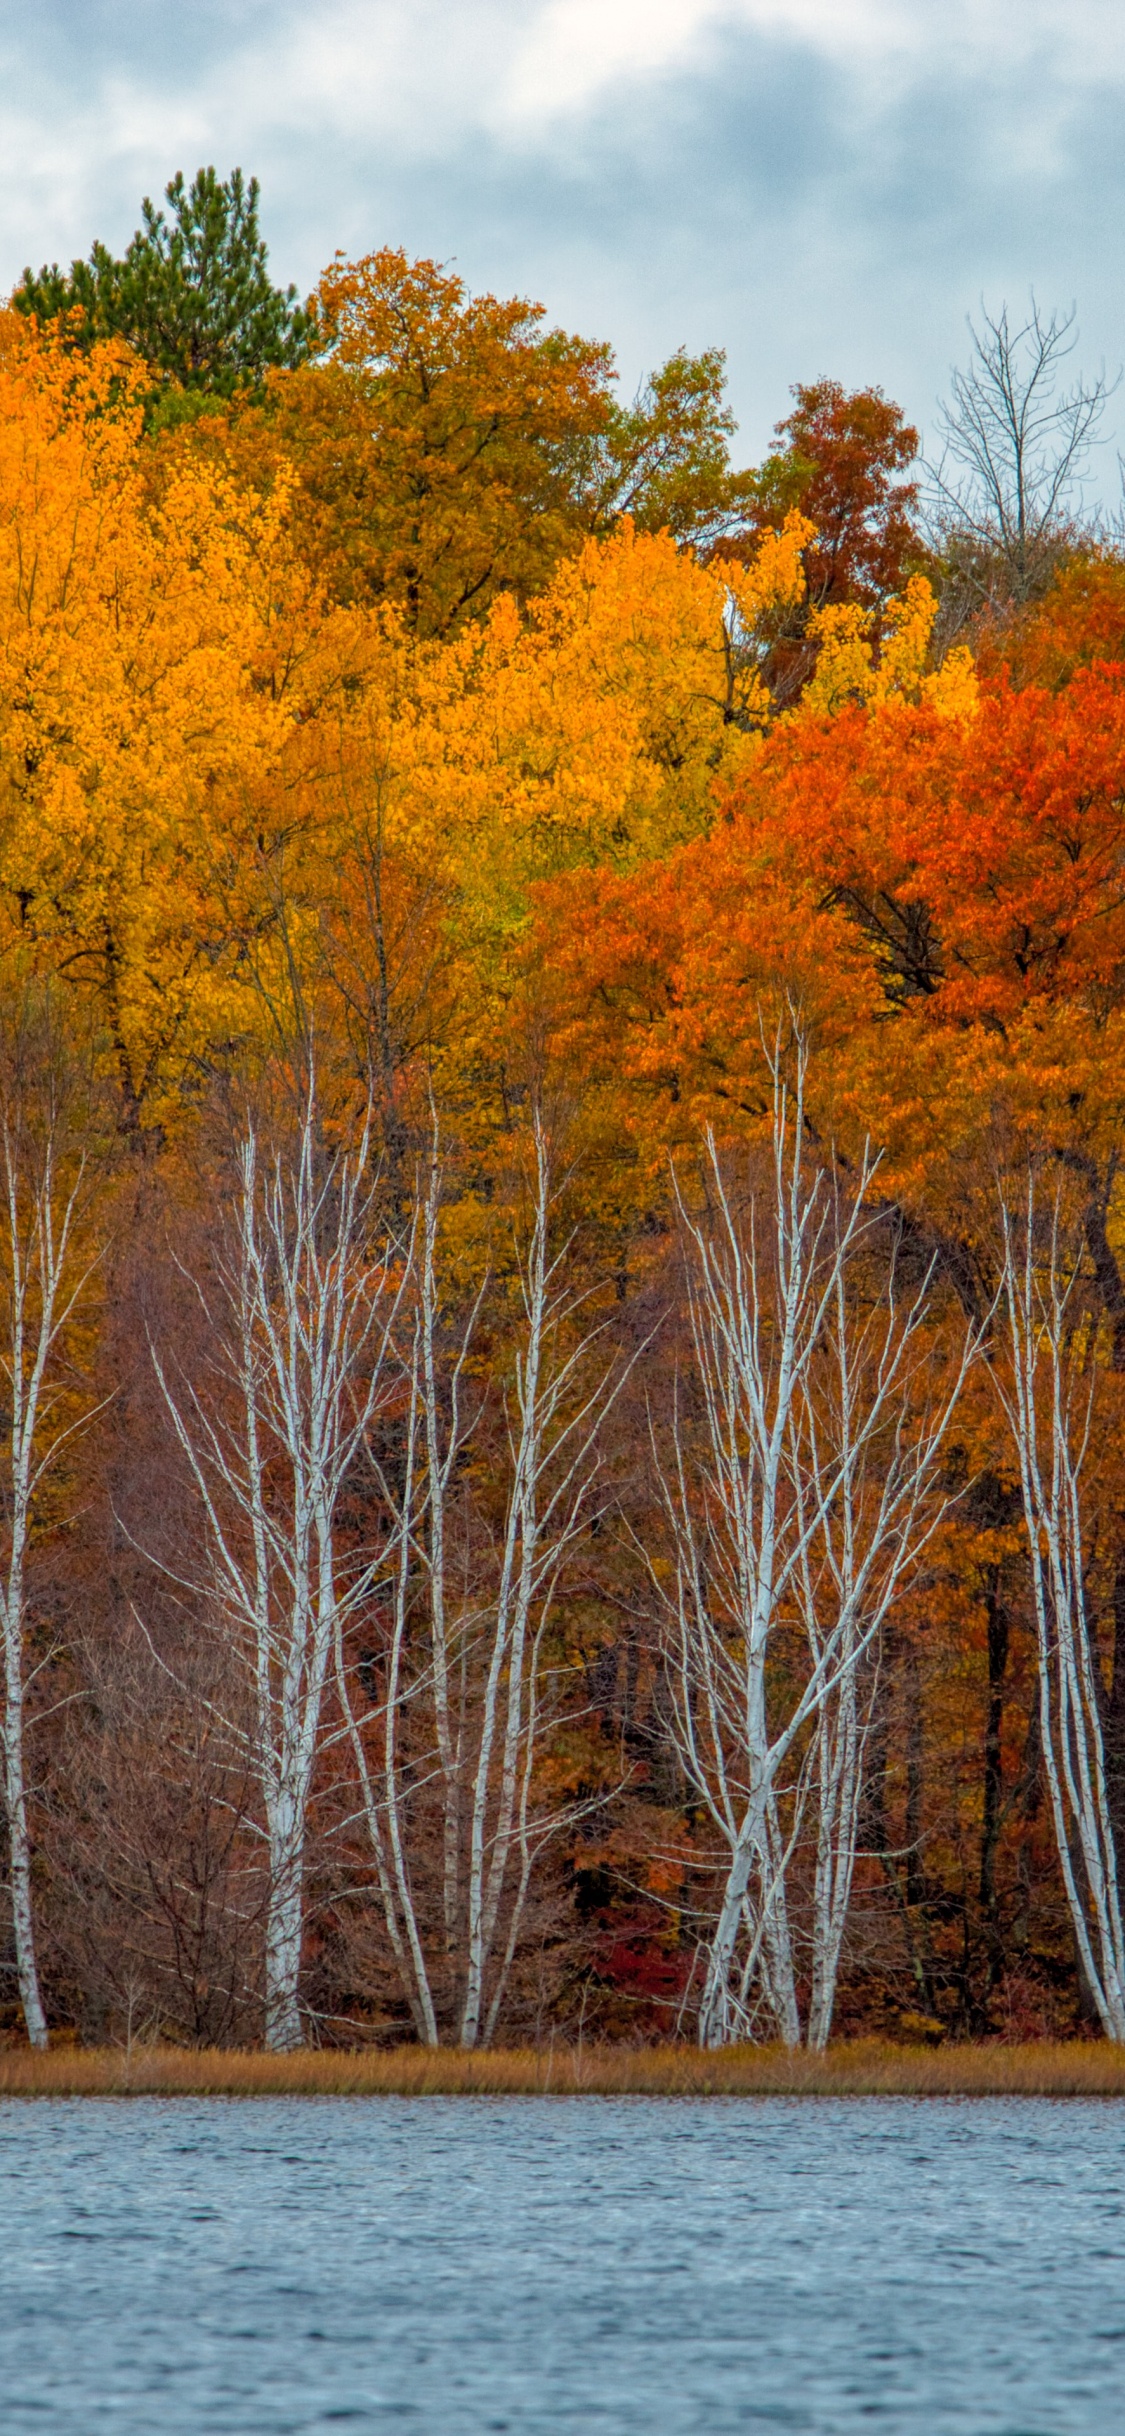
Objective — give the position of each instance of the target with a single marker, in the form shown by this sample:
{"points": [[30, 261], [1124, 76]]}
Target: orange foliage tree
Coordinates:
{"points": [[357, 725]]}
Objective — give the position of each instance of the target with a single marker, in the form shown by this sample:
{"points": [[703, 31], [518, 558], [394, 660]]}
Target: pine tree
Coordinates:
{"points": [[192, 293]]}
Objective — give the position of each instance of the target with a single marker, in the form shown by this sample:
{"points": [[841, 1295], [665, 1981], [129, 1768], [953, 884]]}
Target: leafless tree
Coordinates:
{"points": [[800, 1508], [463, 1710], [44, 1279], [157, 1866], [1047, 1388], [1016, 441], [299, 1325]]}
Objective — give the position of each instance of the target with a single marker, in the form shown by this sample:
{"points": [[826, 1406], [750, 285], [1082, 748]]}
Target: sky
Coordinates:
{"points": [[818, 186]]}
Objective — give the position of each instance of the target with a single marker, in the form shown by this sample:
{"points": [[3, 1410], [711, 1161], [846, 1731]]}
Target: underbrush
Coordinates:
{"points": [[853, 2068]]}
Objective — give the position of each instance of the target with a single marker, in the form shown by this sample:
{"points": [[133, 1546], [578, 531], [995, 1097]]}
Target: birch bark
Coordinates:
{"points": [[300, 1334], [1049, 1406], [461, 1711], [39, 1217], [804, 1502]]}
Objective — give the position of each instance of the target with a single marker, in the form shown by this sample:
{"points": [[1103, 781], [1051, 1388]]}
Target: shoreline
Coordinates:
{"points": [[853, 2069]]}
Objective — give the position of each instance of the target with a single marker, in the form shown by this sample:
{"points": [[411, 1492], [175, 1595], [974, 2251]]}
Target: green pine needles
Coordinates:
{"points": [[192, 293]]}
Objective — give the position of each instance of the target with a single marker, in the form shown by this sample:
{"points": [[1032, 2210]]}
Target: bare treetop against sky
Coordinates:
{"points": [[818, 185]]}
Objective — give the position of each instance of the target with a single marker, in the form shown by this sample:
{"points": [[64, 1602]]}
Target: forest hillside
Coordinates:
{"points": [[562, 1231]]}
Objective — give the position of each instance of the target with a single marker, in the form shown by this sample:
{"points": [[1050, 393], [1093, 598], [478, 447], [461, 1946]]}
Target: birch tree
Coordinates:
{"points": [[44, 1281], [851, 1494], [800, 1509], [463, 1710], [299, 1325], [1047, 1388]]}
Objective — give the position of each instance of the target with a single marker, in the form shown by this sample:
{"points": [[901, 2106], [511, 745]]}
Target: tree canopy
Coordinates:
{"points": [[191, 294], [501, 900]]}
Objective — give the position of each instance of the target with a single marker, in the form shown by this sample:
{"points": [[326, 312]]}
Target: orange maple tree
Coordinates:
{"points": [[344, 726]]}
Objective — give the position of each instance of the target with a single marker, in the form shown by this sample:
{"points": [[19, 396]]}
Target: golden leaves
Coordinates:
{"points": [[848, 670], [137, 708]]}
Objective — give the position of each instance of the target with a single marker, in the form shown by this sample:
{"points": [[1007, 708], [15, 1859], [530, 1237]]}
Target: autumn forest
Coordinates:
{"points": [[562, 1227]]}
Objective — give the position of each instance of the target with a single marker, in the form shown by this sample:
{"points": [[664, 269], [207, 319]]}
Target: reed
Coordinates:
{"points": [[853, 2068]]}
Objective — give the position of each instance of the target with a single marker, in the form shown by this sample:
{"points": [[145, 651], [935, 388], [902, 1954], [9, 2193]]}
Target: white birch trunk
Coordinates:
{"points": [[809, 1503], [832, 1593], [39, 1221], [463, 1702], [557, 1421], [417, 1517], [1049, 1411], [840, 1741], [19, 1847], [303, 1339]]}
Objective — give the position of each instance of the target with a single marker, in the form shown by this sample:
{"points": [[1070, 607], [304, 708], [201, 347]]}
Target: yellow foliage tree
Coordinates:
{"points": [[204, 767], [149, 635], [847, 669], [593, 728]]}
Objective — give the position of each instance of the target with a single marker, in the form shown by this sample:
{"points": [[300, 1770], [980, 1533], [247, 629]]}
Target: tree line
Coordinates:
{"points": [[561, 1225]]}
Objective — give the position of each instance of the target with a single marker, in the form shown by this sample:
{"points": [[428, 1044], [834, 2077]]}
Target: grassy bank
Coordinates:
{"points": [[860, 2068]]}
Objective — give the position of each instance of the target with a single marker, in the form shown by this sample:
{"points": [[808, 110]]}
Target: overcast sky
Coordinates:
{"points": [[816, 185]]}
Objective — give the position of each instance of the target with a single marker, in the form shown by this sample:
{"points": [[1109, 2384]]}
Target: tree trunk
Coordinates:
{"points": [[998, 1641], [19, 1847], [284, 2031], [1114, 1724]]}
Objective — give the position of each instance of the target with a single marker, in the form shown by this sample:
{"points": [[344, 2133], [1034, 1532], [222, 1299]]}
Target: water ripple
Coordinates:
{"points": [[581, 2267]]}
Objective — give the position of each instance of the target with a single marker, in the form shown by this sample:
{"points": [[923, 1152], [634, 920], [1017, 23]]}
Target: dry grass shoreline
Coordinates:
{"points": [[855, 2068]]}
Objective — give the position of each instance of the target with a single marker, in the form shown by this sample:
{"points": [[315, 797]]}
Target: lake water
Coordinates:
{"points": [[460, 2266]]}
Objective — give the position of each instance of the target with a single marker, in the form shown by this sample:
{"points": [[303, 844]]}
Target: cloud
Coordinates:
{"points": [[817, 184]]}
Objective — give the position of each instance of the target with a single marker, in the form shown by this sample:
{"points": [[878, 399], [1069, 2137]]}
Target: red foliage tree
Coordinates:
{"points": [[842, 463]]}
